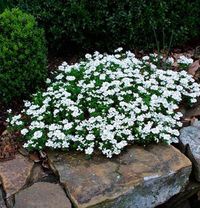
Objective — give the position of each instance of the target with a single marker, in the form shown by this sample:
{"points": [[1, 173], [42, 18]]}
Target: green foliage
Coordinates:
{"points": [[22, 55], [107, 102], [105, 24], [3, 5]]}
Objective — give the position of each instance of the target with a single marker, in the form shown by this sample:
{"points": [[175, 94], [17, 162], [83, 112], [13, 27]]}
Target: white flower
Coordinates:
{"points": [[145, 58], [88, 56], [24, 131], [184, 60], [90, 137], [9, 110], [37, 135], [170, 60], [27, 103], [25, 145], [48, 81], [65, 144], [70, 78], [117, 55], [18, 123], [68, 126], [89, 151], [60, 76], [155, 130], [102, 77], [121, 144], [130, 138], [118, 49]]}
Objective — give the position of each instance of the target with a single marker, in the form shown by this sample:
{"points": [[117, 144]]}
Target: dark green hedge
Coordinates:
{"points": [[22, 55], [107, 24]]}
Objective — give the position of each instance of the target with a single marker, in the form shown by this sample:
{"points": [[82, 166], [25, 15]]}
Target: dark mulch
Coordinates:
{"points": [[8, 146]]}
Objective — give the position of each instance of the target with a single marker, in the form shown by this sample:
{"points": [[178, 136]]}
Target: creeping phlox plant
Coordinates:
{"points": [[106, 102]]}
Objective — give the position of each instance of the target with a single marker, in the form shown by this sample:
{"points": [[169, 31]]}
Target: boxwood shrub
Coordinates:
{"points": [[105, 24], [22, 55], [3, 5]]}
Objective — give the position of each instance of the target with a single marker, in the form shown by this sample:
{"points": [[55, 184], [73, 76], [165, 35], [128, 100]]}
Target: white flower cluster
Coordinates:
{"points": [[184, 60], [106, 102]]}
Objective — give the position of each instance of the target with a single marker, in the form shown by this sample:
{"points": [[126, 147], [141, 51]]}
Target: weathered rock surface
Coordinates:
{"points": [[2, 202], [181, 200], [37, 174], [139, 178], [190, 145], [194, 111], [14, 174], [42, 195]]}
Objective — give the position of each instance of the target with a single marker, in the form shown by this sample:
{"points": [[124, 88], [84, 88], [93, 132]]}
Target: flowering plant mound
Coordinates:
{"points": [[106, 102]]}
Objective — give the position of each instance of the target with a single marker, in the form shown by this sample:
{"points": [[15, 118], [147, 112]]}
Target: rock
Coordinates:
{"points": [[190, 145], [181, 200], [139, 178], [2, 205], [194, 111], [14, 174], [23, 151], [10, 201], [2, 202], [37, 174], [42, 195], [8, 146]]}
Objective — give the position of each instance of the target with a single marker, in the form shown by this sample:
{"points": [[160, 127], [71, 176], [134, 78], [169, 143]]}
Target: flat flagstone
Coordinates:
{"points": [[14, 174], [42, 195], [190, 145], [139, 178]]}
